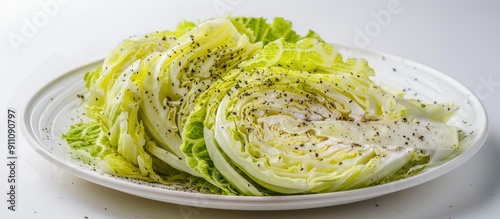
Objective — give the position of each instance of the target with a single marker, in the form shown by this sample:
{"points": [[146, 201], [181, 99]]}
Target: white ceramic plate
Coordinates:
{"points": [[56, 106]]}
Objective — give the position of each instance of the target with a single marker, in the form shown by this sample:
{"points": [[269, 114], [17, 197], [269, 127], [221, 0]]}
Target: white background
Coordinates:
{"points": [[459, 38]]}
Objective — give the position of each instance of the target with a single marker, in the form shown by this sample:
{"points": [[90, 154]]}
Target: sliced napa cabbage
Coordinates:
{"points": [[114, 100], [121, 122], [184, 71], [145, 88], [295, 132], [202, 55], [298, 119], [239, 106]]}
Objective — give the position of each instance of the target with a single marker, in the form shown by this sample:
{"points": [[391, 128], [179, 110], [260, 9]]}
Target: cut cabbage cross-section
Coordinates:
{"points": [[294, 132]]}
